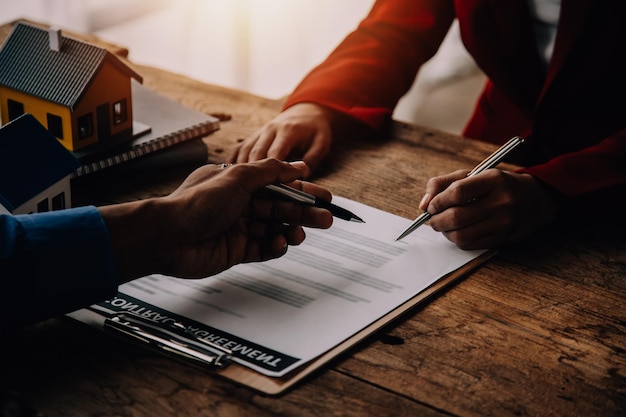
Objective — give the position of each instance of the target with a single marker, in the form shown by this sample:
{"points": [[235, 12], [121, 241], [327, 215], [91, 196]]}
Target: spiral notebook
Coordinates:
{"points": [[159, 123]]}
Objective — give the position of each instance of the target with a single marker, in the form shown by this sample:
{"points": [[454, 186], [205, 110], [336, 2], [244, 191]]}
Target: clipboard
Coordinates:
{"points": [[175, 341], [277, 386]]}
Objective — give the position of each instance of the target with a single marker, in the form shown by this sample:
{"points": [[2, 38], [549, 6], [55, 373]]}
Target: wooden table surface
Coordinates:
{"points": [[539, 330]]}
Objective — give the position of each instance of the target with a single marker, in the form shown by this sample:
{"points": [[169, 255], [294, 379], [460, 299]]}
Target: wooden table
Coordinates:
{"points": [[540, 330]]}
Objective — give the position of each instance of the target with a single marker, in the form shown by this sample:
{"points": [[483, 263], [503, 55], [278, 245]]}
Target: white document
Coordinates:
{"points": [[281, 314]]}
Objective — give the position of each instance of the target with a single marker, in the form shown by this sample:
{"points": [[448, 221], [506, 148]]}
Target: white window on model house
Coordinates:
{"points": [[120, 113]]}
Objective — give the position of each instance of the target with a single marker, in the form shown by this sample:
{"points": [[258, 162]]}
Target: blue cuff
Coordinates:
{"points": [[53, 263]]}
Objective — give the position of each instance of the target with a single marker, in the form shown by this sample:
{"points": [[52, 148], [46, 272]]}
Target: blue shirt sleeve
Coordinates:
{"points": [[53, 263]]}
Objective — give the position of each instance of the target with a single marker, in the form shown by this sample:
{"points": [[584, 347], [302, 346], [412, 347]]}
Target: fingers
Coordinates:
{"points": [[258, 145], [436, 185], [254, 176], [320, 147], [270, 245], [456, 189], [286, 212], [220, 217], [293, 235], [490, 209], [242, 179], [477, 225], [462, 212], [301, 131], [313, 189]]}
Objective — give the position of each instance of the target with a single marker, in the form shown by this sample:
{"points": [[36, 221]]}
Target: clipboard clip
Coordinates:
{"points": [[172, 338]]}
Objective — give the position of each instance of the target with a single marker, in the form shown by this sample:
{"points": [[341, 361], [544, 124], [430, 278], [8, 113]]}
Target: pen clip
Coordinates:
{"points": [[171, 338]]}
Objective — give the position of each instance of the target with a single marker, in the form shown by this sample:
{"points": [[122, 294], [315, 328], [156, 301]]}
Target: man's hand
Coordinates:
{"points": [[218, 217]]}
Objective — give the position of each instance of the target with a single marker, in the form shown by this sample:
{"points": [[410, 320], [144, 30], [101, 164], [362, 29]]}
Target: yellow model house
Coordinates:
{"points": [[80, 92]]}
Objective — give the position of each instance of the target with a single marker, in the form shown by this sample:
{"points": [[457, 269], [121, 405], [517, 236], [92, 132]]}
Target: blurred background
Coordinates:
{"points": [[260, 46]]}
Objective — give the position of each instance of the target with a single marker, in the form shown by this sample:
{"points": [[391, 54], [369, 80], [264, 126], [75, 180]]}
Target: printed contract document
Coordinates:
{"points": [[278, 315]]}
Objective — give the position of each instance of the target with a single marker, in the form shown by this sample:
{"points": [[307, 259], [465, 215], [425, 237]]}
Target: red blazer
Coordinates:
{"points": [[573, 114]]}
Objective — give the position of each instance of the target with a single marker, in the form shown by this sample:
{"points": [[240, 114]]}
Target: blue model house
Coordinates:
{"points": [[35, 169]]}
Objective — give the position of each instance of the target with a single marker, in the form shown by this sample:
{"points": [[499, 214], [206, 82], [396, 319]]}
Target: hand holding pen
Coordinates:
{"points": [[477, 191], [298, 196], [310, 200]]}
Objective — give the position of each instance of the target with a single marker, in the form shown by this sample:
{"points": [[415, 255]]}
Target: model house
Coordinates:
{"points": [[35, 169], [80, 92]]}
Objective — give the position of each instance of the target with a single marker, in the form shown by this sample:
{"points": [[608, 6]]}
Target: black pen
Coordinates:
{"points": [[490, 162], [308, 199]]}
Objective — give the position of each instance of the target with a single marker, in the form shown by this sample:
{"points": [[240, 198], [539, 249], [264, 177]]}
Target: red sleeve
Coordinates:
{"points": [[366, 75], [593, 179]]}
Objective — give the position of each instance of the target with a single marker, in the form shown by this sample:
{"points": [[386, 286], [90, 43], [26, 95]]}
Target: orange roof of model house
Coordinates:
{"points": [[80, 92]]}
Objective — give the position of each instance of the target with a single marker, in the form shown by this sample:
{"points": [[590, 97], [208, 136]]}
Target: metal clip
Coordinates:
{"points": [[169, 337]]}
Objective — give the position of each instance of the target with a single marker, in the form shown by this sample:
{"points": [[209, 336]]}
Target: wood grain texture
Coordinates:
{"points": [[540, 330]]}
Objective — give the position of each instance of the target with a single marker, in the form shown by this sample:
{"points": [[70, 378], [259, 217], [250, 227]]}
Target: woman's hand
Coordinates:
{"points": [[302, 131], [486, 210]]}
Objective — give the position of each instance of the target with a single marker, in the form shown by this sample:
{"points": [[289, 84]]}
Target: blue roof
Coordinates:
{"points": [[31, 160], [29, 65]]}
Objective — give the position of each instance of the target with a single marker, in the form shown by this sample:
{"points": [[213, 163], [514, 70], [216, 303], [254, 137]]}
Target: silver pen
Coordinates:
{"points": [[308, 199], [490, 162]]}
